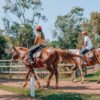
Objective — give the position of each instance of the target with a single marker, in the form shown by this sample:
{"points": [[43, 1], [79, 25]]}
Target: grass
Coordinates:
{"points": [[49, 94], [93, 77], [13, 89]]}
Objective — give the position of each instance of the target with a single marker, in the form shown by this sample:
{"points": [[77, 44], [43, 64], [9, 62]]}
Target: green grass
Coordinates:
{"points": [[49, 94], [17, 90], [93, 77]]}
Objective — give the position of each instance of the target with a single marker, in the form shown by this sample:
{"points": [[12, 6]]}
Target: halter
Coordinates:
{"points": [[20, 55]]}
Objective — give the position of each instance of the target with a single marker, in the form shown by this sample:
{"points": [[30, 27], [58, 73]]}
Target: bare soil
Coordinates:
{"points": [[66, 86]]}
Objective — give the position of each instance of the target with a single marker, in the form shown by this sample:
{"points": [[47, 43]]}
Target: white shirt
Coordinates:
{"points": [[89, 42]]}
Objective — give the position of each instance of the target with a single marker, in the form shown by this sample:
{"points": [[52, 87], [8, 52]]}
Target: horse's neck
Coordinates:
{"points": [[23, 53]]}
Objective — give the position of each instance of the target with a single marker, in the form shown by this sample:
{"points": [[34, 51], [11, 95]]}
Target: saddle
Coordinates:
{"points": [[38, 52], [90, 53], [37, 58], [89, 56]]}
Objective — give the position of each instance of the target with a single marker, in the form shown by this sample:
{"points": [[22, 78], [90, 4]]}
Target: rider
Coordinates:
{"points": [[87, 43], [38, 43]]}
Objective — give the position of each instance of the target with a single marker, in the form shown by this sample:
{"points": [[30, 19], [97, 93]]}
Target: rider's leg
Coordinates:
{"points": [[83, 51], [31, 51]]}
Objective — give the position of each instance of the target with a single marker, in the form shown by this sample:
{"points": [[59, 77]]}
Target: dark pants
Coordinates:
{"points": [[33, 50], [84, 51]]}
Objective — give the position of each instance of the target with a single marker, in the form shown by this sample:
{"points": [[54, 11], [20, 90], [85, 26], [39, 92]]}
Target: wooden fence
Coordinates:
{"points": [[11, 69]]}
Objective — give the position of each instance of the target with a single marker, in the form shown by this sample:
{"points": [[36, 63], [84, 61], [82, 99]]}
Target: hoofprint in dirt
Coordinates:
{"points": [[65, 86]]}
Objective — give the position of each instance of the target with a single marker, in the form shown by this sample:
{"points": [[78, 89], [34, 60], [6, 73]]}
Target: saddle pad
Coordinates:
{"points": [[38, 53], [90, 53]]}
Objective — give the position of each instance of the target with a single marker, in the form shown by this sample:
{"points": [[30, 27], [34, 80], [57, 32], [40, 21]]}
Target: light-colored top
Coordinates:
{"points": [[88, 42], [39, 40]]}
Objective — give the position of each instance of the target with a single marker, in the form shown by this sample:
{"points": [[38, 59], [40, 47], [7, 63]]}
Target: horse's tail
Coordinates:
{"points": [[67, 55]]}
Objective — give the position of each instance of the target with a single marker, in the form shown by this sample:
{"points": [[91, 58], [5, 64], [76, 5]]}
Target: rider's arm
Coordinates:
{"points": [[85, 42]]}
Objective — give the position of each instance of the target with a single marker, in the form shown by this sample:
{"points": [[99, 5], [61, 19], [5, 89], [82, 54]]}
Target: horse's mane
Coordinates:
{"points": [[22, 48]]}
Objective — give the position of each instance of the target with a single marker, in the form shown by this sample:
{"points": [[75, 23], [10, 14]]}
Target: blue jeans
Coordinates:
{"points": [[33, 50], [84, 51]]}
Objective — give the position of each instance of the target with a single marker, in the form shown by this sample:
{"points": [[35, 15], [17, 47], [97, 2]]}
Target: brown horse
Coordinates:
{"points": [[85, 61], [49, 60]]}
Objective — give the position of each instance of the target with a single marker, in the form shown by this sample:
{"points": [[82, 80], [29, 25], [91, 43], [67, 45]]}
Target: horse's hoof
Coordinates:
{"points": [[82, 82], [74, 81], [39, 87], [24, 85]]}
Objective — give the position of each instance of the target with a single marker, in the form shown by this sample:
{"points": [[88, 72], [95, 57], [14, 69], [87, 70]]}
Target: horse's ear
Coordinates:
{"points": [[14, 48]]}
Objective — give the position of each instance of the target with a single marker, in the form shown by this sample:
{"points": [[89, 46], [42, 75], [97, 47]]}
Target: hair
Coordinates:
{"points": [[42, 34]]}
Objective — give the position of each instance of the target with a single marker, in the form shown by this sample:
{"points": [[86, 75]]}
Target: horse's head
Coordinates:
{"points": [[18, 53]]}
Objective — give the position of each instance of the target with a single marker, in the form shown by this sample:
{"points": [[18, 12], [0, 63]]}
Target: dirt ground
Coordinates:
{"points": [[5, 95], [65, 86]]}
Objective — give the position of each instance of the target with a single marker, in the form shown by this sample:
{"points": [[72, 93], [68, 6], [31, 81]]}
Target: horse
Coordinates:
{"points": [[49, 60], [84, 61]]}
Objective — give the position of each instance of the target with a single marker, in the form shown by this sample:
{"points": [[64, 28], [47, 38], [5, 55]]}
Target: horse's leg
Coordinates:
{"points": [[49, 68], [73, 76], [82, 74], [32, 71], [56, 75], [27, 75]]}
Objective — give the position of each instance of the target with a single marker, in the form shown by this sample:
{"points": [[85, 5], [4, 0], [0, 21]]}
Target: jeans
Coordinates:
{"points": [[33, 50], [84, 51]]}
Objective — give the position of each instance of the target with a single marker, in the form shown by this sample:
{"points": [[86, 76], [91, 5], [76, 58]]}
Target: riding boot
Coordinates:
{"points": [[31, 62]]}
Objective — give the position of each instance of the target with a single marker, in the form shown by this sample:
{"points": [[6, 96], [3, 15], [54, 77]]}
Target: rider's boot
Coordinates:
{"points": [[31, 62]]}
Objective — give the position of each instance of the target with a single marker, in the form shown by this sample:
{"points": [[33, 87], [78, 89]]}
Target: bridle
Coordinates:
{"points": [[18, 54]]}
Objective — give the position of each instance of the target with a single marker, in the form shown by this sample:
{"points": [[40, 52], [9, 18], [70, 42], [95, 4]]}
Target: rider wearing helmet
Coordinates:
{"points": [[38, 43], [87, 43]]}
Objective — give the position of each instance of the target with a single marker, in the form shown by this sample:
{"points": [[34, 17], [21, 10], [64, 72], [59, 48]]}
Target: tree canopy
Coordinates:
{"points": [[69, 27], [21, 18]]}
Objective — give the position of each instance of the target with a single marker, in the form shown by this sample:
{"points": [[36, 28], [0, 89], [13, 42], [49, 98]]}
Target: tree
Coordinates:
{"points": [[3, 45], [68, 27], [21, 18], [95, 22]]}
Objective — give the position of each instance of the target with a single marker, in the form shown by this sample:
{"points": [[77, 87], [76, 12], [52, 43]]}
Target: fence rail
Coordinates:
{"points": [[7, 67]]}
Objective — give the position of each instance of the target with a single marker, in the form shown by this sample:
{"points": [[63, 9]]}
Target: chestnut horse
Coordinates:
{"points": [[49, 60], [84, 61]]}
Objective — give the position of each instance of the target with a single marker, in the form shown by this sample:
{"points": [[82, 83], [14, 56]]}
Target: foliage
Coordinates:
{"points": [[93, 77], [95, 22], [53, 44], [21, 18], [69, 26], [3, 46]]}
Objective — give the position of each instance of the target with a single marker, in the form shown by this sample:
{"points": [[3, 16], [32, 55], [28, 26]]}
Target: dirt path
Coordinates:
{"points": [[65, 86], [5, 95]]}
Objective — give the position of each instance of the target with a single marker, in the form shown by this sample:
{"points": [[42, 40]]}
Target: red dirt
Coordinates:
{"points": [[65, 86], [70, 87]]}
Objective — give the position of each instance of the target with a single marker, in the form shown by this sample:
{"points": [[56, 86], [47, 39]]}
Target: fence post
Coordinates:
{"points": [[32, 87]]}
